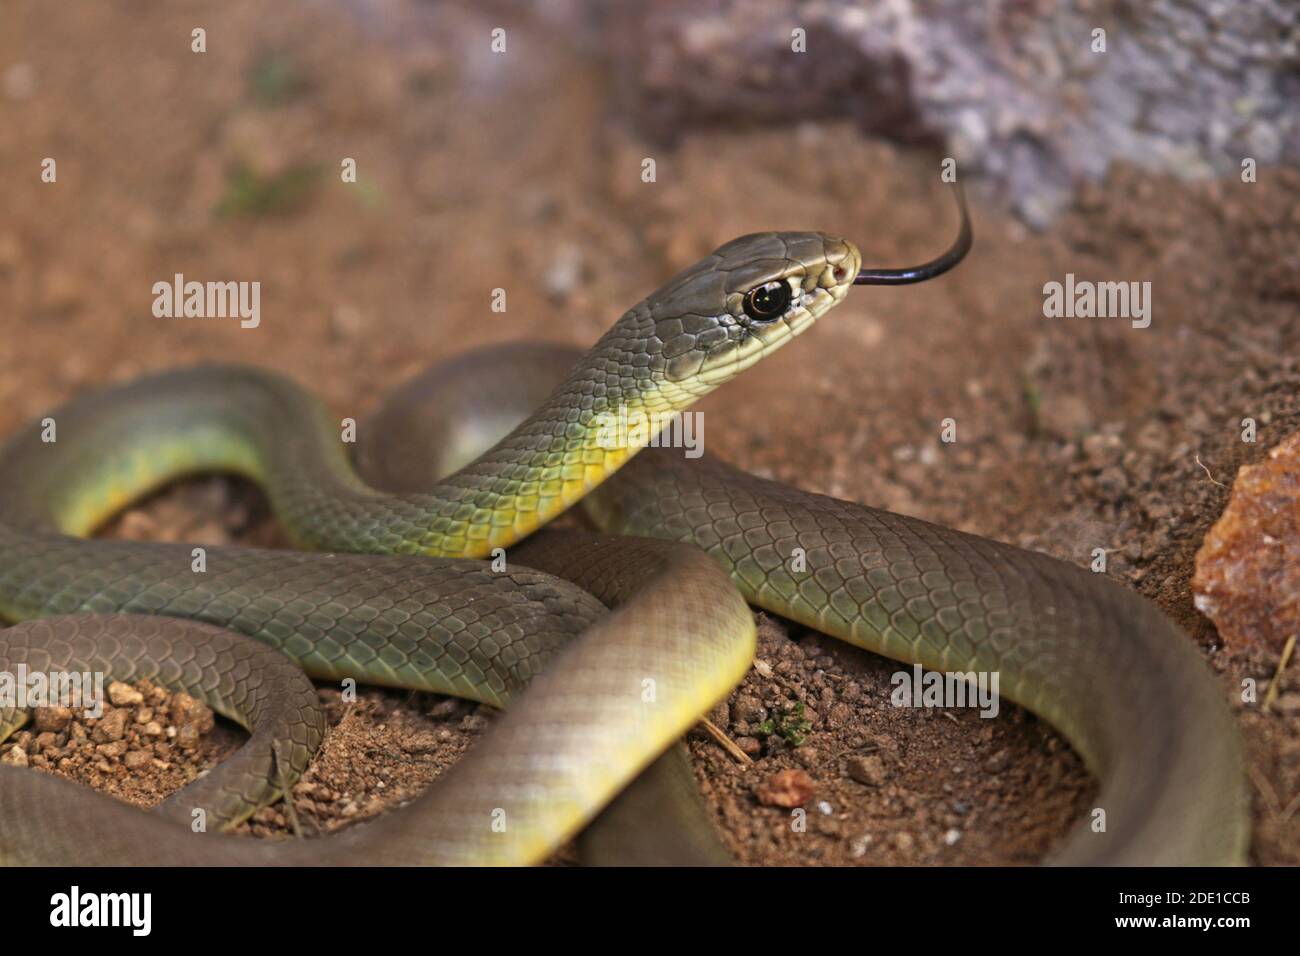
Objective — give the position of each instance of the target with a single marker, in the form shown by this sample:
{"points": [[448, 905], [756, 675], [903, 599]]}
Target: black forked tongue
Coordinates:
{"points": [[935, 267]]}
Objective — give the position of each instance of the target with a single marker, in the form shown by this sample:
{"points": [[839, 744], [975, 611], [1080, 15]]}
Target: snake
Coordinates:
{"points": [[421, 561]]}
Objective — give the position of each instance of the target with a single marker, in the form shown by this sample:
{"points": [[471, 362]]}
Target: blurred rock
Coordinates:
{"points": [[789, 789], [19, 81], [869, 770], [11, 252], [1014, 90]]}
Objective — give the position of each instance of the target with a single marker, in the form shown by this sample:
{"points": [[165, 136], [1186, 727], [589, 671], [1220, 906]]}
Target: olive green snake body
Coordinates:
{"points": [[608, 691]]}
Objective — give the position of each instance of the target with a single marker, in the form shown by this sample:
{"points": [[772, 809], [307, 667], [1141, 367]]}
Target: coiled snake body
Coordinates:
{"points": [[385, 594]]}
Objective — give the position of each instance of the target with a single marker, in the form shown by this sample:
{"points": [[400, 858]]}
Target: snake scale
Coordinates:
{"points": [[622, 638]]}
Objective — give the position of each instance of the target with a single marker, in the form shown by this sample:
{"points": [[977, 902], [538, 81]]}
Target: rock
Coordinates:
{"points": [[268, 816], [1248, 566], [868, 770], [124, 695], [136, 759], [1039, 116], [1102, 450], [188, 712], [998, 762], [807, 756], [138, 526], [750, 746], [748, 709], [1065, 415], [112, 726], [15, 757], [564, 272], [449, 708], [841, 715], [53, 719], [789, 789], [152, 692], [424, 743], [1112, 483]]}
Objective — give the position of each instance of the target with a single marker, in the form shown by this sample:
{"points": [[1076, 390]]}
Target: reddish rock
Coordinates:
{"points": [[1247, 577], [789, 789]]}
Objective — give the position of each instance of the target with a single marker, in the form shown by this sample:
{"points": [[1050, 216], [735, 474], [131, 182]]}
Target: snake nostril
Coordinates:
{"points": [[840, 273]]}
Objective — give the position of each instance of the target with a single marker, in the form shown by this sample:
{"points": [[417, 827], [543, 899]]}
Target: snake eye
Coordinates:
{"points": [[768, 301]]}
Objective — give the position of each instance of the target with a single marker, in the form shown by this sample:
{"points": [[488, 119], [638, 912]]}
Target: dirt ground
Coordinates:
{"points": [[478, 172]]}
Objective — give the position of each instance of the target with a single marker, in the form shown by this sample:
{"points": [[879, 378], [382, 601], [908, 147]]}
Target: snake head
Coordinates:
{"points": [[746, 300]]}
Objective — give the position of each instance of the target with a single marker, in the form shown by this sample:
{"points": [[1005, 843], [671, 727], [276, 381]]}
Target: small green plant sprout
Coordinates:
{"points": [[248, 194], [791, 726]]}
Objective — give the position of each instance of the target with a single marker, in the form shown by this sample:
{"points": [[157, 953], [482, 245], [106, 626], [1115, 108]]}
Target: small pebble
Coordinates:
{"points": [[136, 759], [789, 789], [124, 695], [425, 743], [112, 726], [868, 770], [53, 719]]}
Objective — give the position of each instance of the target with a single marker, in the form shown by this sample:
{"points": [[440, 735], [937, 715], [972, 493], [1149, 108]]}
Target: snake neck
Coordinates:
{"points": [[98, 454]]}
